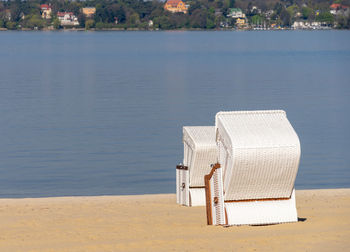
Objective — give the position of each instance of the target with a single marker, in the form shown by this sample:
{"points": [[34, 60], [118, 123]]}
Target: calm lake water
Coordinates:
{"points": [[97, 113]]}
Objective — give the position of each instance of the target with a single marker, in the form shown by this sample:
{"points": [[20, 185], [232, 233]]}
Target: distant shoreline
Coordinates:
{"points": [[156, 30]]}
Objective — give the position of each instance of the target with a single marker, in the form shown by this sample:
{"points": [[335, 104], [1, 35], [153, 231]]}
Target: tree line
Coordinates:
{"points": [[202, 14]]}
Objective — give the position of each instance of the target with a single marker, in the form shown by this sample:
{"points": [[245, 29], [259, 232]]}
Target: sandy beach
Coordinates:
{"points": [[156, 223]]}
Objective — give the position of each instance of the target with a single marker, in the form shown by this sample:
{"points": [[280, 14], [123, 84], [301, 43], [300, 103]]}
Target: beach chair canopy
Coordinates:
{"points": [[200, 151], [259, 153]]}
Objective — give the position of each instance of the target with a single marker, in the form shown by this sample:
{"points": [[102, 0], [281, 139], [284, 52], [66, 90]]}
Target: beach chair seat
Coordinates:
{"points": [[258, 160], [200, 151]]}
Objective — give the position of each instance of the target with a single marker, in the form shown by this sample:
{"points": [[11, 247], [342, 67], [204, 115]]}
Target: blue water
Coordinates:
{"points": [[96, 113]]}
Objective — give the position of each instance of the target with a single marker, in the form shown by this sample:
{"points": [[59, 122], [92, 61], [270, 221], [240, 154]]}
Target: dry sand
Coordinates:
{"points": [[156, 223]]}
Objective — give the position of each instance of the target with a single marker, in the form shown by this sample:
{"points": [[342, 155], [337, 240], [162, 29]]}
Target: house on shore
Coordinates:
{"points": [[305, 25], [176, 6], [45, 11], [240, 22], [238, 16], [67, 18], [339, 9], [89, 11], [235, 13]]}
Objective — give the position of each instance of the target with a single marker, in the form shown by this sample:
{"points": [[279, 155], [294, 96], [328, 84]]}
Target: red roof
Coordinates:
{"points": [[335, 6], [173, 3], [338, 6], [45, 6]]}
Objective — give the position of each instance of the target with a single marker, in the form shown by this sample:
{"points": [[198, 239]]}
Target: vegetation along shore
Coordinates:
{"points": [[174, 14]]}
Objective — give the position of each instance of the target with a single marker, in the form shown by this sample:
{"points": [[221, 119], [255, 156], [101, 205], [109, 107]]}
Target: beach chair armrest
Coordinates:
{"points": [[214, 196]]}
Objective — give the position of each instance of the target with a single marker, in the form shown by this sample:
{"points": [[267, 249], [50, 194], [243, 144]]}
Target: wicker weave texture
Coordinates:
{"points": [[259, 153], [182, 187], [200, 152]]}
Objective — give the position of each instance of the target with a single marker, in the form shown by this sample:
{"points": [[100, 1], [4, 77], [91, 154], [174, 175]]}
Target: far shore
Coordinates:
{"points": [[153, 30], [157, 223]]}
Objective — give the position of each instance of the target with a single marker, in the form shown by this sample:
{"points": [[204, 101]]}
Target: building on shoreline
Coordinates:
{"points": [[176, 6], [339, 9], [89, 11], [304, 25], [67, 18], [235, 13], [46, 11]]}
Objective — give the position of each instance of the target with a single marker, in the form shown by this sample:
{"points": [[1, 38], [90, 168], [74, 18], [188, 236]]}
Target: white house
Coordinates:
{"points": [[236, 13], [67, 18]]}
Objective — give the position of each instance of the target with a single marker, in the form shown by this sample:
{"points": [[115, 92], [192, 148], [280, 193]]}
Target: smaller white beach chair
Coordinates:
{"points": [[200, 151], [253, 183]]}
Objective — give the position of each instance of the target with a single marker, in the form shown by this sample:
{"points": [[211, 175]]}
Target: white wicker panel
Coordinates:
{"points": [[202, 160], [197, 136], [262, 173], [186, 190], [249, 129], [222, 156], [187, 157], [212, 195], [182, 193], [178, 201], [218, 192], [262, 212], [200, 152], [197, 197], [262, 154]]}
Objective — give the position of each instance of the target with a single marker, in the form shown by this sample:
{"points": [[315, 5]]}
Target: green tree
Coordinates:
{"points": [[325, 17], [285, 18], [100, 25], [134, 19], [292, 10], [162, 22], [256, 19], [89, 24], [56, 23], [11, 25], [306, 12], [343, 22], [278, 8], [198, 19], [34, 21], [210, 24], [81, 19]]}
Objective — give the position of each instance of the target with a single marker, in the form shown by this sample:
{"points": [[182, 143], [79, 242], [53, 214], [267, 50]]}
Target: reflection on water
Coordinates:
{"points": [[101, 113]]}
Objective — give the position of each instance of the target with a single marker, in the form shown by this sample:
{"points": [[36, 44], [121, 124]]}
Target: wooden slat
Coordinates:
{"points": [[248, 200], [208, 193]]}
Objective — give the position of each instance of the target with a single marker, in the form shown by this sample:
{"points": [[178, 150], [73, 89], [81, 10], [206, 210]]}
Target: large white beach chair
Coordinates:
{"points": [[200, 151], [253, 183]]}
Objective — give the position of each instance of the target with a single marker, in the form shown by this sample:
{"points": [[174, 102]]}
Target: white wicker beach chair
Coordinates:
{"points": [[200, 151], [253, 183]]}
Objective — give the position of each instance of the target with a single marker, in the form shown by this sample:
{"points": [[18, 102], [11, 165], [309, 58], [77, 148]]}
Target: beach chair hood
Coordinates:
{"points": [[259, 152]]}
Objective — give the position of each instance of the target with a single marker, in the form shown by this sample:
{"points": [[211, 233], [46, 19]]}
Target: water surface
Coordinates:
{"points": [[95, 113]]}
